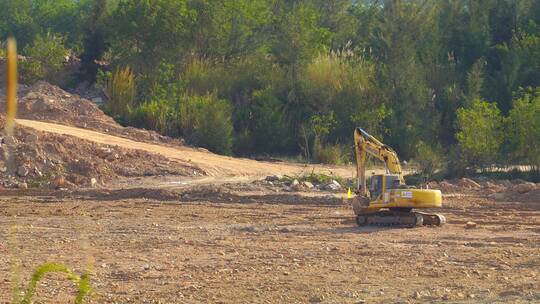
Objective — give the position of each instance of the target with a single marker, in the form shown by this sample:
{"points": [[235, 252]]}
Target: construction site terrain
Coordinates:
{"points": [[156, 221]]}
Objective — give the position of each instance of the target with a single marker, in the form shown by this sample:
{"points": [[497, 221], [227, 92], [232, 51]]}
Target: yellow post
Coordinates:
{"points": [[11, 84]]}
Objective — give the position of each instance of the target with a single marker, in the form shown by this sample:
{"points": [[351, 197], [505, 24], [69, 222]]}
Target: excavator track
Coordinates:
{"points": [[406, 219]]}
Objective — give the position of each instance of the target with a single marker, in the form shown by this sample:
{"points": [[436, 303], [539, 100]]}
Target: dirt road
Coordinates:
{"points": [[215, 165]]}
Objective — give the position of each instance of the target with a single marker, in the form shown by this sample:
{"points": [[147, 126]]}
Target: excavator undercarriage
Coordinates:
{"points": [[400, 218]]}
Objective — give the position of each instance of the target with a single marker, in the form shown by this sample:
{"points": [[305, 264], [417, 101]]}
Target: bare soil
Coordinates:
{"points": [[225, 239], [228, 246]]}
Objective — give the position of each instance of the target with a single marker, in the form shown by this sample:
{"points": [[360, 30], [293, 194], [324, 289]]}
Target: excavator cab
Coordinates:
{"points": [[382, 182]]}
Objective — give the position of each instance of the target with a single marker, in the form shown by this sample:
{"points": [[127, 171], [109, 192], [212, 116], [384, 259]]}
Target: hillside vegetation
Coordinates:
{"points": [[454, 84]]}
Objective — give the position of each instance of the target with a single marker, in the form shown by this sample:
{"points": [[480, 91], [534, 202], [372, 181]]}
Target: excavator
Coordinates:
{"points": [[389, 201]]}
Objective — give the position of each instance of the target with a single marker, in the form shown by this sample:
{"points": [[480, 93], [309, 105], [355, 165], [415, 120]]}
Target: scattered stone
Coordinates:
{"points": [[316, 299], [307, 185], [31, 138], [58, 182], [22, 186], [468, 183], [470, 225], [93, 182], [22, 171], [272, 178], [298, 187], [333, 186], [9, 140], [417, 295], [97, 100], [525, 187]]}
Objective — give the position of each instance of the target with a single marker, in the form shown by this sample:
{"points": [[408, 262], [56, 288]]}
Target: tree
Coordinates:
{"points": [[524, 127], [46, 57], [480, 133]]}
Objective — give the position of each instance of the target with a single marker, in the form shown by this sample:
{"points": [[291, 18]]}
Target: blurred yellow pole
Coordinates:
{"points": [[11, 84]]}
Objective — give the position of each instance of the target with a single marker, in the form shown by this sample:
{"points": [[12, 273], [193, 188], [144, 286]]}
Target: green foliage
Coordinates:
{"points": [[83, 283], [206, 121], [480, 133], [45, 58], [429, 159], [120, 90], [400, 69], [328, 154], [524, 129]]}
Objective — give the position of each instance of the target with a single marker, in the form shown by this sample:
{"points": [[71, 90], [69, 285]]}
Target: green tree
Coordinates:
{"points": [[524, 127], [46, 57], [480, 133]]}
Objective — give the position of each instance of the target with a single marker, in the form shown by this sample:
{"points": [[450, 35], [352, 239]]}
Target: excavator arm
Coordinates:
{"points": [[367, 144]]}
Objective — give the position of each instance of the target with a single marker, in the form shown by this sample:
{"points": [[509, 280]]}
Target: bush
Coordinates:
{"points": [[524, 130], [154, 115], [429, 159], [206, 121], [328, 154], [120, 90], [45, 58], [480, 133]]}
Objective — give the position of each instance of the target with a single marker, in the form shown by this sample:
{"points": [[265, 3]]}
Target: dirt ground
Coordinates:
{"points": [[228, 236], [259, 247]]}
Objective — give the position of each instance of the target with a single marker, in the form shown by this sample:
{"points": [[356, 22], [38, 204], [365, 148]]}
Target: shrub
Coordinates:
{"points": [[120, 90], [429, 159], [206, 121], [328, 154], [480, 133], [524, 129], [45, 58], [154, 115]]}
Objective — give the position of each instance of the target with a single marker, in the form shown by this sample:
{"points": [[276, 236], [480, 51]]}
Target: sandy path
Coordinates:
{"points": [[215, 165]]}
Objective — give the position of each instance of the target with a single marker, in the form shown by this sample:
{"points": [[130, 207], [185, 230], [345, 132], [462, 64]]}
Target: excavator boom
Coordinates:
{"points": [[365, 143]]}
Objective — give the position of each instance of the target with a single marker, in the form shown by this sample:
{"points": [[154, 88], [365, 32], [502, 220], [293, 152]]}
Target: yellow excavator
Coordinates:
{"points": [[389, 201]]}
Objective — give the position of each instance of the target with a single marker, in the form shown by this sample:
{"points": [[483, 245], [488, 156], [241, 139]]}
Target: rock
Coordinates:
{"points": [[417, 295], [307, 185], [22, 186], [272, 178], [31, 138], [9, 140], [22, 171], [97, 100], [333, 186], [525, 187], [297, 187], [93, 182], [295, 183], [316, 299], [446, 186], [468, 183], [58, 182], [470, 225], [497, 196]]}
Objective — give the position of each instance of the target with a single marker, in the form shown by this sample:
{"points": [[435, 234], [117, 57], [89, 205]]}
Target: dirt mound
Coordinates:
{"points": [[46, 102], [500, 190], [36, 159]]}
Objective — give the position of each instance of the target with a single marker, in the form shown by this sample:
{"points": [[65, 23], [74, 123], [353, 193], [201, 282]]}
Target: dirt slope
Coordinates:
{"points": [[214, 165]]}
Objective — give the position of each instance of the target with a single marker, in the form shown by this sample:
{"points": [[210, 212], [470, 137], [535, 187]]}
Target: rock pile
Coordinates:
{"points": [[290, 185]]}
